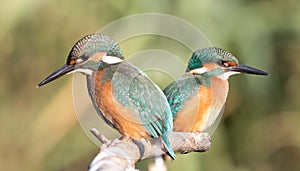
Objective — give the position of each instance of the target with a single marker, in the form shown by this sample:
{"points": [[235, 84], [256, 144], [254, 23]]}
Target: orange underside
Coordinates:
{"points": [[197, 114], [124, 119], [190, 117]]}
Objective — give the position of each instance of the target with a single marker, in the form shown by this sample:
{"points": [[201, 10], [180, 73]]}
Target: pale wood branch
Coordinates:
{"points": [[122, 154]]}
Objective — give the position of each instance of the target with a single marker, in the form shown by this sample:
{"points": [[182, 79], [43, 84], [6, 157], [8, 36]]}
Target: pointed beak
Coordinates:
{"points": [[65, 69], [247, 69]]}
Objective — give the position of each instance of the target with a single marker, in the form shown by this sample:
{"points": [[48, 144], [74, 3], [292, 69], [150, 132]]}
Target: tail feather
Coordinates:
{"points": [[166, 142]]}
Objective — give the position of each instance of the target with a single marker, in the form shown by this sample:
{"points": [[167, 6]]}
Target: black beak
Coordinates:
{"points": [[56, 74], [247, 69]]}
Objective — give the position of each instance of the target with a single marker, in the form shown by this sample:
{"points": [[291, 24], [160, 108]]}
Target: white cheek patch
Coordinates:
{"points": [[82, 70], [226, 75], [199, 70], [111, 59]]}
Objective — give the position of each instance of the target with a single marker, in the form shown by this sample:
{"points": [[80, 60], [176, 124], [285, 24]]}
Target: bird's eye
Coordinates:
{"points": [[80, 59], [84, 57], [224, 63], [227, 64]]}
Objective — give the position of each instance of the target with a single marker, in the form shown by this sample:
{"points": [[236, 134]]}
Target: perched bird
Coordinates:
{"points": [[121, 93], [197, 98]]}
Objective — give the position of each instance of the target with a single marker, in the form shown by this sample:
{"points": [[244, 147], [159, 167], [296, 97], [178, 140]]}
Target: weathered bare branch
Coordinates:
{"points": [[99, 136], [122, 154]]}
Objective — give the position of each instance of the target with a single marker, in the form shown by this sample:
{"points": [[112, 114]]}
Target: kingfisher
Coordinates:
{"points": [[122, 94], [197, 98]]}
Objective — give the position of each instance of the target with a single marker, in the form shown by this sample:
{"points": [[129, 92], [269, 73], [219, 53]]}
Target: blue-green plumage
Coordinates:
{"points": [[91, 44], [209, 55], [121, 93], [134, 90], [185, 87], [146, 99], [197, 98]]}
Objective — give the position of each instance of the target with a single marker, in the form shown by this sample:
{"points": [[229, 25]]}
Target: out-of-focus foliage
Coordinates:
{"points": [[260, 126]]}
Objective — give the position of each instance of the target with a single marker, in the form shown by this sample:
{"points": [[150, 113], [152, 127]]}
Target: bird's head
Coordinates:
{"points": [[214, 61], [91, 53]]}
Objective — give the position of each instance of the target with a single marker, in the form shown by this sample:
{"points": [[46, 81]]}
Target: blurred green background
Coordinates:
{"points": [[260, 126]]}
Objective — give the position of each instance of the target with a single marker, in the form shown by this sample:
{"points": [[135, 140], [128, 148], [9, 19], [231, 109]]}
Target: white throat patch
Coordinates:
{"points": [[83, 71], [226, 75]]}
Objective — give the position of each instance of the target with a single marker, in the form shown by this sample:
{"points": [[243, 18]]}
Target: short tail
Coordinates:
{"points": [[166, 142]]}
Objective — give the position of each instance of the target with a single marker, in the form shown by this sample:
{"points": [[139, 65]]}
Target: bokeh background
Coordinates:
{"points": [[260, 126]]}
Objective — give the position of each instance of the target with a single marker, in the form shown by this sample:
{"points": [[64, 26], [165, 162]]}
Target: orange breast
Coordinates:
{"points": [[190, 117], [201, 110], [122, 118]]}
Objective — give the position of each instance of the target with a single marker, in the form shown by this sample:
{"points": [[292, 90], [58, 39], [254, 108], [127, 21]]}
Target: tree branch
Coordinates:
{"points": [[122, 154]]}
